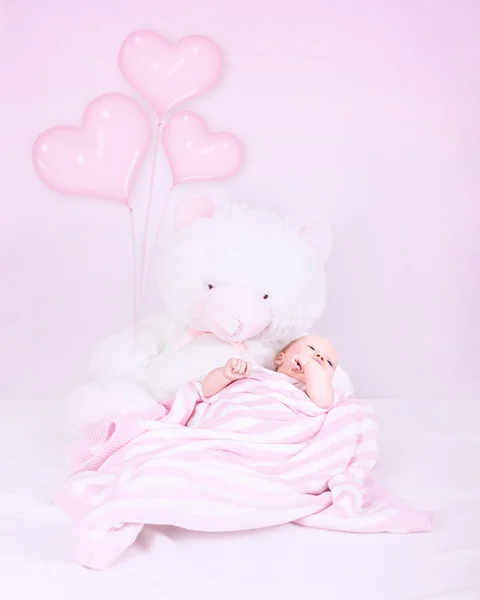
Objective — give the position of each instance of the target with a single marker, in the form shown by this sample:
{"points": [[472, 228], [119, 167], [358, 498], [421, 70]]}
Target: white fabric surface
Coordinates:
{"points": [[429, 454]]}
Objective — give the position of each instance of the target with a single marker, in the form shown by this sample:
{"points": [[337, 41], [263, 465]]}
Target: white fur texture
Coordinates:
{"points": [[277, 264]]}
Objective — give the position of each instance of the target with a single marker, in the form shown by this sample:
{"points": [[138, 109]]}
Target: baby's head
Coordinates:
{"points": [[312, 346]]}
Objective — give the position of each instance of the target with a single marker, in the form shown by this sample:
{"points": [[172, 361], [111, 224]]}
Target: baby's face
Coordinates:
{"points": [[312, 346]]}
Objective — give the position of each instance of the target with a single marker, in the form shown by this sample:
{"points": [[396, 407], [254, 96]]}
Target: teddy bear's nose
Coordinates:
{"points": [[231, 326]]}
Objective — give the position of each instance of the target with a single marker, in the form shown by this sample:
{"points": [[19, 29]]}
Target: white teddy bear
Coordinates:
{"points": [[235, 281]]}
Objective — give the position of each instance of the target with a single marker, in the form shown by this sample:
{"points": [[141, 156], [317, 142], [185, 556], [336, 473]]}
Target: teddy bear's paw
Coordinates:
{"points": [[94, 402], [123, 355]]}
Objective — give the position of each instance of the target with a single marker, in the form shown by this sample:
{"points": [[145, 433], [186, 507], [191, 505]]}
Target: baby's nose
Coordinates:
{"points": [[319, 357]]}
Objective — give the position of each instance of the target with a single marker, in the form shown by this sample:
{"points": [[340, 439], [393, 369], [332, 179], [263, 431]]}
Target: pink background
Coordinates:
{"points": [[368, 110]]}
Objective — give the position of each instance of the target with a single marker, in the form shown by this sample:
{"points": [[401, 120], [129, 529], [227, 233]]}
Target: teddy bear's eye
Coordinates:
{"points": [[266, 297], [210, 286]]}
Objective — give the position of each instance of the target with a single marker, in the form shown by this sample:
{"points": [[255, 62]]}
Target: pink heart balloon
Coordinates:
{"points": [[166, 74], [102, 157], [196, 154]]}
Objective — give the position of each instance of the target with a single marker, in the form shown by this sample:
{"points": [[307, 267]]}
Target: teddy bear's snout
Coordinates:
{"points": [[230, 326]]}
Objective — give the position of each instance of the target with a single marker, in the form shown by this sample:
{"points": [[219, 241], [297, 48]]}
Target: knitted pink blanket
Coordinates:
{"points": [[257, 454]]}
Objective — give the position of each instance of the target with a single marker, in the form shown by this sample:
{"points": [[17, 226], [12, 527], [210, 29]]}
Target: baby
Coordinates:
{"points": [[310, 359]]}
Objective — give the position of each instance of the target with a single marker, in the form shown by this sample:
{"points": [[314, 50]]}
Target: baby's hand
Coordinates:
{"points": [[236, 368]]}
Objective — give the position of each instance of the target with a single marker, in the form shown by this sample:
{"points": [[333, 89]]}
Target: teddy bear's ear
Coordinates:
{"points": [[199, 205], [314, 228]]}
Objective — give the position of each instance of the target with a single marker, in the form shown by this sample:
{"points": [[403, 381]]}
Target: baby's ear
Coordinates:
{"points": [[316, 230], [279, 359], [199, 204]]}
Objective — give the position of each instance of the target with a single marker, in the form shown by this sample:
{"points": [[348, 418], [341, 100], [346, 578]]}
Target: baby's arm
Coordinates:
{"points": [[319, 386], [218, 379], [214, 382]]}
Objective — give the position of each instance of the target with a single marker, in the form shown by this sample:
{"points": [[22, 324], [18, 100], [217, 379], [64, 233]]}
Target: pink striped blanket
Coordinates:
{"points": [[257, 454]]}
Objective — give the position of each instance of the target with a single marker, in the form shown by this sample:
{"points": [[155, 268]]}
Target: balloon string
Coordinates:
{"points": [[134, 276], [143, 283], [155, 239]]}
